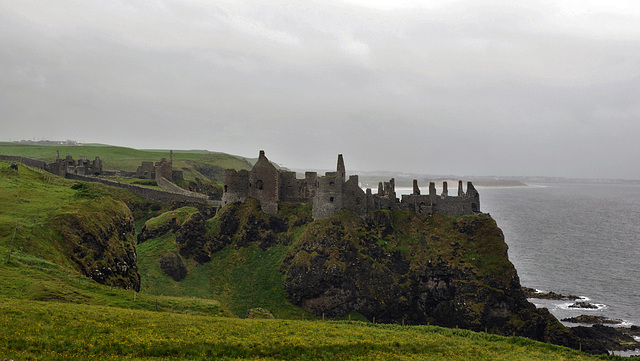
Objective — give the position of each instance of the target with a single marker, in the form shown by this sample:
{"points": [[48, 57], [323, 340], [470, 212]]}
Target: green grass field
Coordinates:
{"points": [[59, 331], [50, 311], [121, 158]]}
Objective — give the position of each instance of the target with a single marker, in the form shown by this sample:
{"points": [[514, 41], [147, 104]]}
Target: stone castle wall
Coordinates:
{"points": [[329, 198], [68, 168], [333, 192], [463, 203], [236, 186], [150, 194], [26, 161]]}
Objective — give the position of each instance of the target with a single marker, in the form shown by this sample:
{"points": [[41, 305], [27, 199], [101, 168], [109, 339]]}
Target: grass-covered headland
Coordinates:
{"points": [[55, 234]]}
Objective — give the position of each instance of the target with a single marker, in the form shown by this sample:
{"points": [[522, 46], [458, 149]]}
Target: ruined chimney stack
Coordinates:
{"points": [[342, 173], [432, 189]]}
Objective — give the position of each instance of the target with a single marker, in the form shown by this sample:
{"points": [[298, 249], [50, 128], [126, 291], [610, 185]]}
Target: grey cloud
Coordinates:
{"points": [[468, 87]]}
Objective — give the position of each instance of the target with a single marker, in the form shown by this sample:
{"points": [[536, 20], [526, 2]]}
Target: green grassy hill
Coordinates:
{"points": [[241, 277], [194, 163], [40, 215], [50, 311], [55, 331]]}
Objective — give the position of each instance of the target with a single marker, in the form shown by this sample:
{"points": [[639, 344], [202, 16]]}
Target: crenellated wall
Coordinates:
{"points": [[333, 192], [463, 203]]}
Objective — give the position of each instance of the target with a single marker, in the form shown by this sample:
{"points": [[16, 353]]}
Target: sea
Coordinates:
{"points": [[574, 239]]}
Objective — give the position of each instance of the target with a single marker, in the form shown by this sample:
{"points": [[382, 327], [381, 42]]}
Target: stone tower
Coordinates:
{"points": [[264, 184]]}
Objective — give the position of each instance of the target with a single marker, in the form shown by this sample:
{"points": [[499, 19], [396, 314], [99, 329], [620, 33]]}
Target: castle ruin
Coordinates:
{"points": [[161, 169], [333, 192], [83, 166]]}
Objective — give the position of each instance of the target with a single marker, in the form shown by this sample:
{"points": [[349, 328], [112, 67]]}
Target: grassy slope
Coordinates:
{"points": [[242, 279], [84, 320], [40, 267], [50, 331], [121, 158], [28, 198]]}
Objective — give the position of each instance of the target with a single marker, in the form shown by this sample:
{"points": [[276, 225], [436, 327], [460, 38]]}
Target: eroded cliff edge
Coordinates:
{"points": [[390, 266], [398, 267]]}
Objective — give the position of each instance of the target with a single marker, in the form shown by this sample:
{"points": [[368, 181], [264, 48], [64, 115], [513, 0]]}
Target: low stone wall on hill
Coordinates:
{"points": [[26, 161], [169, 186], [174, 193], [149, 194]]}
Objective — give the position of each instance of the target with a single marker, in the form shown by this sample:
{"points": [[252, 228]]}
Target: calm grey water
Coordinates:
{"points": [[581, 239]]}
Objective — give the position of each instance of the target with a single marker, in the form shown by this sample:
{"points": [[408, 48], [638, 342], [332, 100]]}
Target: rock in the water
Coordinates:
{"points": [[533, 293], [593, 320], [583, 304]]}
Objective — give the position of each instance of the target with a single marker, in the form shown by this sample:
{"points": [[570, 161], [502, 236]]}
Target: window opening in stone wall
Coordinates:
{"points": [[259, 185], [331, 199]]}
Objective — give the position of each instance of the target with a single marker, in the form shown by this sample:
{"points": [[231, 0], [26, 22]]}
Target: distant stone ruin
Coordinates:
{"points": [[163, 168], [82, 167], [91, 171], [333, 192]]}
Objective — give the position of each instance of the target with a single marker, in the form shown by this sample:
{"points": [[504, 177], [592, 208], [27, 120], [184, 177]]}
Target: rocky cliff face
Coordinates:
{"points": [[99, 234], [394, 266], [391, 266]]}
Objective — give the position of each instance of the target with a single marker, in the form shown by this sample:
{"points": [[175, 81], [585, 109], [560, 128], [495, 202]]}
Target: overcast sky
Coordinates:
{"points": [[469, 87]]}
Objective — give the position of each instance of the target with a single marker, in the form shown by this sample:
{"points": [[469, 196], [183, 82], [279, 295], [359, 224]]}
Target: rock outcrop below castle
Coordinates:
{"points": [[334, 191]]}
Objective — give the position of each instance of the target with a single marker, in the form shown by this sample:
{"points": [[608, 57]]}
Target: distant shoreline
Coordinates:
{"points": [[451, 184]]}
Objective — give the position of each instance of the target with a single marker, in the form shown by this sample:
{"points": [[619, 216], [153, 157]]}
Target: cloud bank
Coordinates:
{"points": [[455, 87]]}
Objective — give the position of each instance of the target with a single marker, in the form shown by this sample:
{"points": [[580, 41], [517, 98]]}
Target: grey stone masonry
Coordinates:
{"points": [[333, 192], [69, 166]]}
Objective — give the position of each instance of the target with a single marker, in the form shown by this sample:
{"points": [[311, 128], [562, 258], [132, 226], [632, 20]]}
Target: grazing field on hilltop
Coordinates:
{"points": [[49, 309], [194, 163]]}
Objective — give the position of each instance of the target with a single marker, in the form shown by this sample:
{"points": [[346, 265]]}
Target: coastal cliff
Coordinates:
{"points": [[390, 266], [397, 267]]}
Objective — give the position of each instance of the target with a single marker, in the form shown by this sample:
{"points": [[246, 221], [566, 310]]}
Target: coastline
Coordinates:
{"points": [[589, 319]]}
